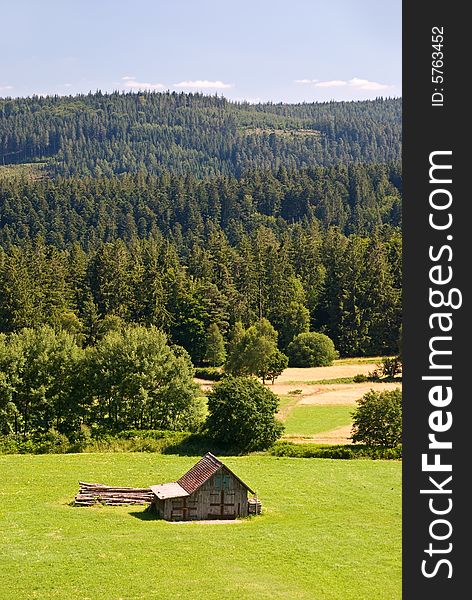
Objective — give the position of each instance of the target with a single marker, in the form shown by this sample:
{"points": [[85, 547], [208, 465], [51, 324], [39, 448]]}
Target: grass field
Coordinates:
{"points": [[317, 402], [331, 530], [306, 419]]}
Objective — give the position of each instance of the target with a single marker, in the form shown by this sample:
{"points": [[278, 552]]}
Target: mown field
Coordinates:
{"points": [[316, 403], [331, 530], [309, 420]]}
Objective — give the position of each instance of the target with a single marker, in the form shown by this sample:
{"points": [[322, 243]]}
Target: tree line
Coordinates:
{"points": [[358, 199], [130, 378], [300, 279], [134, 379], [105, 134]]}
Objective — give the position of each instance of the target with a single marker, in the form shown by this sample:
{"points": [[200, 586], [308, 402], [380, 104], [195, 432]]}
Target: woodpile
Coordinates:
{"points": [[97, 493]]}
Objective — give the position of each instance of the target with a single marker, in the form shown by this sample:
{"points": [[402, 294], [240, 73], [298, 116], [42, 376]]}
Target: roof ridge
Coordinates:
{"points": [[212, 457], [201, 471]]}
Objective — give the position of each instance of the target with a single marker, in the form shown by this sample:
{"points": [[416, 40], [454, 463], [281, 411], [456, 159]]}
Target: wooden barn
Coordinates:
{"points": [[208, 491]]}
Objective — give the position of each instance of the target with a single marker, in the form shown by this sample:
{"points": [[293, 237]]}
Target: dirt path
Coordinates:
{"points": [[294, 375], [205, 385]]}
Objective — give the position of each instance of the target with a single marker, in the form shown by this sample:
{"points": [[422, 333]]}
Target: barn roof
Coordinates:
{"points": [[201, 472], [207, 466], [169, 490]]}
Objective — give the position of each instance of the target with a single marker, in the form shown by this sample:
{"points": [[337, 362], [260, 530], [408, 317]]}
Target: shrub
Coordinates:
{"points": [[137, 440], [51, 442], [9, 444], [378, 419], [311, 350], [360, 378], [209, 373], [391, 367], [344, 452], [242, 414]]}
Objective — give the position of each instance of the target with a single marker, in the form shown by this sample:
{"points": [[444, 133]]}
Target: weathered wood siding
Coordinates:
{"points": [[159, 507], [221, 497]]}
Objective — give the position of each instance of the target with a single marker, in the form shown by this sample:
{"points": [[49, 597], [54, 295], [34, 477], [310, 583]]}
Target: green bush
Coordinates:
{"points": [[391, 367], [345, 452], [360, 378], [311, 350], [9, 444], [51, 442], [241, 414], [209, 373], [377, 420]]}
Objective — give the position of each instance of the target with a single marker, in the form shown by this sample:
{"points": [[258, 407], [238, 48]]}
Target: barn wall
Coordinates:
{"points": [[210, 493], [168, 506], [222, 496], [159, 507]]}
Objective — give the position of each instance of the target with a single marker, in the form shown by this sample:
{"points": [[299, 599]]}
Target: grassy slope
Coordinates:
{"points": [[308, 419], [331, 530]]}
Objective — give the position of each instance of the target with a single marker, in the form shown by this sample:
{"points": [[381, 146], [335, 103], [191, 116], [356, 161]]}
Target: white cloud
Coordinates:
{"points": [[306, 81], [331, 84], [5, 88], [132, 84], [203, 84], [354, 83], [365, 84]]}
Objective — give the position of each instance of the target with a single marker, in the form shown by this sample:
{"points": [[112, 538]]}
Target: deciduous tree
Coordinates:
{"points": [[241, 414]]}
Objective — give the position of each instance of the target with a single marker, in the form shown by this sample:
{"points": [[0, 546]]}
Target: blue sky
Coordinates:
{"points": [[291, 50]]}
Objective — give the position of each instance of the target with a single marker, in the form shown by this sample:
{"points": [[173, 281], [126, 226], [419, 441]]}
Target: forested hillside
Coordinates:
{"points": [[356, 198], [192, 214], [104, 134], [299, 279]]}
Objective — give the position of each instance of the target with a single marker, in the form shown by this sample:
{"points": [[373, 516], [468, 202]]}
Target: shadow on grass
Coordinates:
{"points": [[366, 378], [144, 515], [198, 444]]}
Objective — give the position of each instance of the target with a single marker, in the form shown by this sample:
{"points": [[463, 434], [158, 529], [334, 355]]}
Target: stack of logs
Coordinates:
{"points": [[97, 493]]}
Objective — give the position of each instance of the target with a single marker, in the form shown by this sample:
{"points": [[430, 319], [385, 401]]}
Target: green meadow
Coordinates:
{"points": [[310, 419], [330, 530]]}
